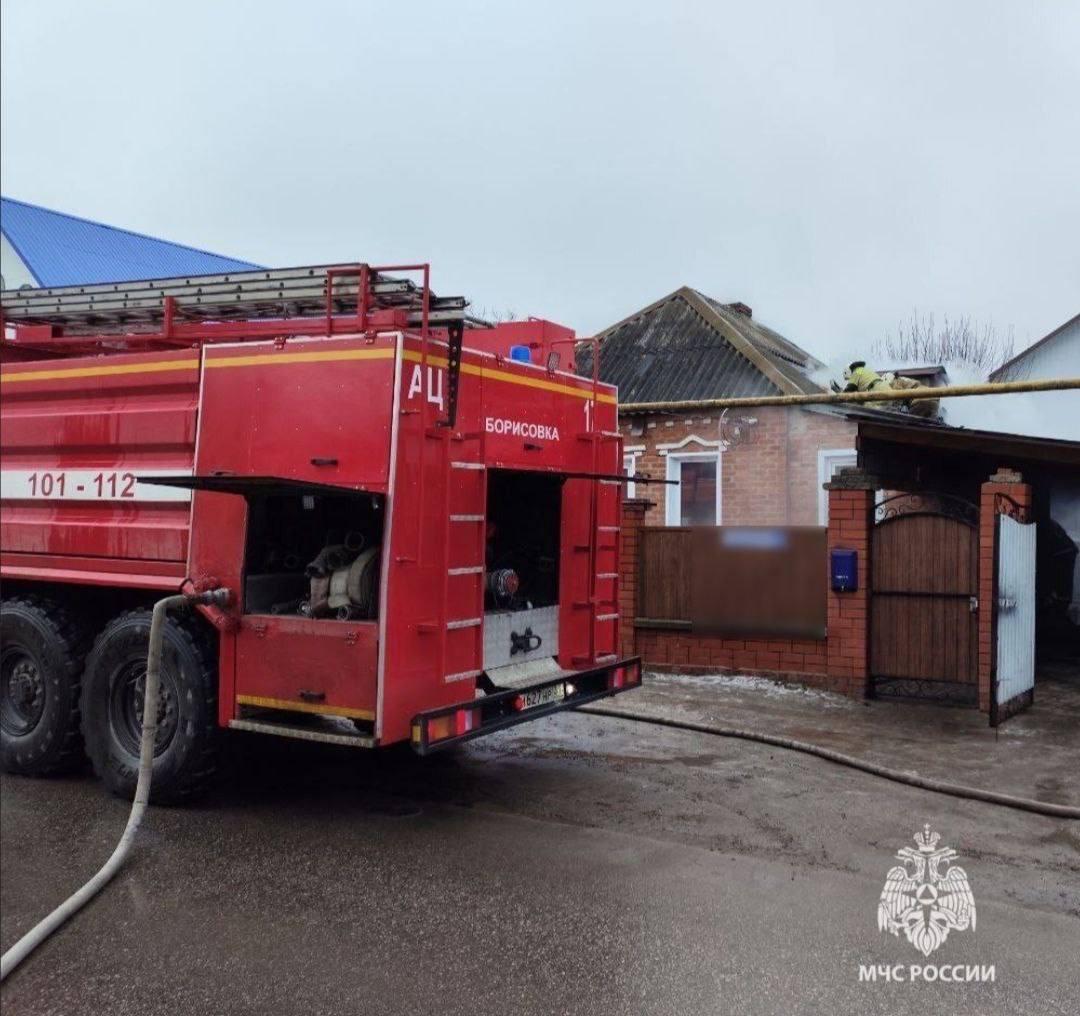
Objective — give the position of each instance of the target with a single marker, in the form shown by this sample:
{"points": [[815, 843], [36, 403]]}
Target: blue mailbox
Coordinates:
{"points": [[844, 570]]}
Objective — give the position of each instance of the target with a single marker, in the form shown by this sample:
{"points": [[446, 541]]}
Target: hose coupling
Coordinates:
{"points": [[221, 597]]}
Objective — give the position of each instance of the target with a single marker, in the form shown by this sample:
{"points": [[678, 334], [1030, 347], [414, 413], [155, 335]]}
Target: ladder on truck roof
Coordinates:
{"points": [[186, 310]]}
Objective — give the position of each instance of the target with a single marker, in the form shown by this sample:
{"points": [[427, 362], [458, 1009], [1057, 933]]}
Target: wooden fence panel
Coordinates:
{"points": [[734, 581], [663, 586]]}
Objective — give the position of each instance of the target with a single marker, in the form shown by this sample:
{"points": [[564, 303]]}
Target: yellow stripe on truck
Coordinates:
{"points": [[304, 707], [61, 373], [515, 379], [278, 359]]}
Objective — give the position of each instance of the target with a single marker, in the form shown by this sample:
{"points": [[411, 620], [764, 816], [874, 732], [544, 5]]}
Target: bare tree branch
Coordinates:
{"points": [[960, 340], [497, 317]]}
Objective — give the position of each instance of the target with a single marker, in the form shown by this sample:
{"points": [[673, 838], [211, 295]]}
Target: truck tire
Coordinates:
{"points": [[41, 660], [112, 704]]}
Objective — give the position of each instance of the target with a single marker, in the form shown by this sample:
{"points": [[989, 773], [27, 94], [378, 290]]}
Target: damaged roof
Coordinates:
{"points": [[688, 346]]}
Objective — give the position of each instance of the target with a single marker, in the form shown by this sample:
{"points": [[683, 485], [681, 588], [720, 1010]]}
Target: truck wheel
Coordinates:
{"points": [[41, 660], [112, 707]]}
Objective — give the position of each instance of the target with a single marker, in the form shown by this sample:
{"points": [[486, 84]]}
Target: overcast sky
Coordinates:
{"points": [[834, 164]]}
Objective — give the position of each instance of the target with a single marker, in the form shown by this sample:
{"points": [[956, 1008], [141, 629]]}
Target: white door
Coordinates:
{"points": [[1015, 679]]}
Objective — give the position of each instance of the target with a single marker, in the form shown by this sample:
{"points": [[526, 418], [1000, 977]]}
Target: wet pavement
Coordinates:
{"points": [[1034, 754], [578, 864]]}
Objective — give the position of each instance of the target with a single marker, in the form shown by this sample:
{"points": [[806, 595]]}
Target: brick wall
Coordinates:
{"points": [[796, 659], [840, 662], [634, 512], [850, 523], [770, 478], [837, 663]]}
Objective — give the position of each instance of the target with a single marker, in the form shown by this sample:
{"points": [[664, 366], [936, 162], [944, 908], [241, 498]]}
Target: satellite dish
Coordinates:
{"points": [[737, 430]]}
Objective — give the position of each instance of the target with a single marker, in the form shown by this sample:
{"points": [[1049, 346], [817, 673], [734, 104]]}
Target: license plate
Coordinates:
{"points": [[543, 696]]}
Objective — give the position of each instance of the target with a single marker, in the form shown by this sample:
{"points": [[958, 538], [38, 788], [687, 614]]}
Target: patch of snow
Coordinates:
{"points": [[748, 682], [1014, 730]]}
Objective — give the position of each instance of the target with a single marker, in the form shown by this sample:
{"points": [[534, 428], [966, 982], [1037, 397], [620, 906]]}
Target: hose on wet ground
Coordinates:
{"points": [[41, 931], [74, 903], [896, 775]]}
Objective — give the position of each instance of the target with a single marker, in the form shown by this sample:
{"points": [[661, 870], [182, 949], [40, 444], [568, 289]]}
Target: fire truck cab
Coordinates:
{"points": [[416, 516]]}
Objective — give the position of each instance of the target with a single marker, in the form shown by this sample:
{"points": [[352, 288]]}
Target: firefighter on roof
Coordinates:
{"points": [[861, 378]]}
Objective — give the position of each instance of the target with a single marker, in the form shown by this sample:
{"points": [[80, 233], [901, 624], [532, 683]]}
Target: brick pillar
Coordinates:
{"points": [[851, 519], [633, 518], [994, 500]]}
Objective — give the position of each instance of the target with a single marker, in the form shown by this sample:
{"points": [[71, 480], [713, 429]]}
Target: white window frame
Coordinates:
{"points": [[631, 453], [673, 502], [828, 461]]}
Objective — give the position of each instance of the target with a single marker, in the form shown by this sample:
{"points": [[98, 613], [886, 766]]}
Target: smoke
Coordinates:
{"points": [[1035, 414]]}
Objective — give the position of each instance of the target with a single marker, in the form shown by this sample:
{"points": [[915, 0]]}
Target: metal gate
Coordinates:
{"points": [[924, 599], [1014, 673]]}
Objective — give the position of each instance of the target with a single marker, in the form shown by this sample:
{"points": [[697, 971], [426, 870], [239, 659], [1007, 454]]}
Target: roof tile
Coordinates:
{"points": [[64, 250]]}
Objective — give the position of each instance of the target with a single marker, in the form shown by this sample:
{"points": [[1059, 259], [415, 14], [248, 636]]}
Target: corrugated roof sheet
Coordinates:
{"points": [[688, 347], [763, 337], [64, 250]]}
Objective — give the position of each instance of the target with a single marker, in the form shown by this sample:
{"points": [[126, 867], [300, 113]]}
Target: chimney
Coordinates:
{"points": [[741, 308]]}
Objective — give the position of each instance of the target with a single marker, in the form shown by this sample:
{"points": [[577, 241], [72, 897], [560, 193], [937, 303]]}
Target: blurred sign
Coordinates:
{"points": [[758, 581]]}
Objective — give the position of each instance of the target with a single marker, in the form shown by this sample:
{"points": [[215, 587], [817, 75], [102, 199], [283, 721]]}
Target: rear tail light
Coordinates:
{"points": [[469, 719], [439, 728], [466, 720], [625, 677]]}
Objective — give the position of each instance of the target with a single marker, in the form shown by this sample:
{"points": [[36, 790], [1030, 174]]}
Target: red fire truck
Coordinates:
{"points": [[416, 516]]}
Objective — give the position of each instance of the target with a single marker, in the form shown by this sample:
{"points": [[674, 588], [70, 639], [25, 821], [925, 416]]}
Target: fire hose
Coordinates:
{"points": [[896, 775], [41, 931], [74, 903]]}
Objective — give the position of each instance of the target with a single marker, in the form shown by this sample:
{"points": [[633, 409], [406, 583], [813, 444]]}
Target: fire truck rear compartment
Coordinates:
{"points": [[523, 511], [313, 555], [521, 605]]}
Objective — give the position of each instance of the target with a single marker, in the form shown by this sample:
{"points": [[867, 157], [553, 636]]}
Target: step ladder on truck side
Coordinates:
{"points": [[605, 514]]}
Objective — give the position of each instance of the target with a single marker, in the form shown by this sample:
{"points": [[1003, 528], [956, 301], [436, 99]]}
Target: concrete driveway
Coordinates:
{"points": [[575, 865]]}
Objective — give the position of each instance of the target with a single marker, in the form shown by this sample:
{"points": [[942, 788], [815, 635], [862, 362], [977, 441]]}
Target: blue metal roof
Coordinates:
{"points": [[64, 250]]}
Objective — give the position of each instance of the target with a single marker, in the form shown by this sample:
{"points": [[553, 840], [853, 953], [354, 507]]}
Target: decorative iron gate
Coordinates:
{"points": [[1014, 671], [924, 599]]}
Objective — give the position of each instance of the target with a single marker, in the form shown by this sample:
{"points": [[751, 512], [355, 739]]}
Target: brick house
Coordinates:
{"points": [[765, 466], [919, 512]]}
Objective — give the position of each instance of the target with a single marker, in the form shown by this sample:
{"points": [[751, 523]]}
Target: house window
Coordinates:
{"points": [[696, 499], [830, 461]]}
